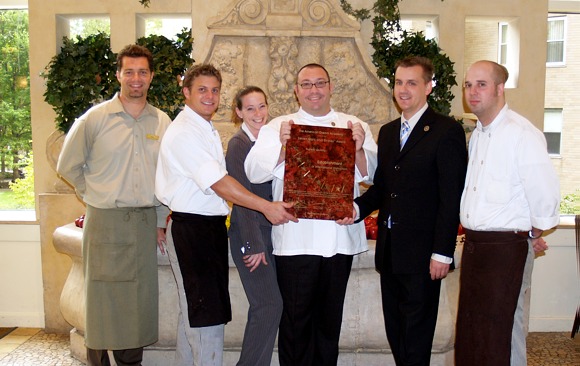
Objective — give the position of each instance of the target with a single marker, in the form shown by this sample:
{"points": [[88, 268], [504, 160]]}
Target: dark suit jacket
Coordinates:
{"points": [[420, 188]]}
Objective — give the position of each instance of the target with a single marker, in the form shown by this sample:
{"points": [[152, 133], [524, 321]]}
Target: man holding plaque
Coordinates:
{"points": [[422, 160], [313, 256]]}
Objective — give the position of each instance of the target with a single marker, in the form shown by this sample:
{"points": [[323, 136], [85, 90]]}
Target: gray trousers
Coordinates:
{"points": [[195, 346], [521, 320]]}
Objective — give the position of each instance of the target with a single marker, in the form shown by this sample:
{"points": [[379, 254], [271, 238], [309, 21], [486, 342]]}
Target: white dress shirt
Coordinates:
{"points": [[191, 160], [511, 183]]}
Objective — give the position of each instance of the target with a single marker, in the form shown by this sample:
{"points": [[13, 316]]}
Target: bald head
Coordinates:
{"points": [[499, 73], [484, 89]]}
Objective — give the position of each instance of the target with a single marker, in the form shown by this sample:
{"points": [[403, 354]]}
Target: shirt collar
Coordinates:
{"points": [[416, 117], [496, 121], [116, 106], [321, 120], [247, 131], [199, 120]]}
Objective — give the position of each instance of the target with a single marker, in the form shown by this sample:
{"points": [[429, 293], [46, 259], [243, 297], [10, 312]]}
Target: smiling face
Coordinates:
{"points": [[411, 89], [254, 111], [203, 95], [315, 101], [483, 94], [135, 78]]}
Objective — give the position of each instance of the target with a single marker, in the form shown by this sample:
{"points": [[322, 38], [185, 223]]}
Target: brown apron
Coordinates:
{"points": [[491, 277]]}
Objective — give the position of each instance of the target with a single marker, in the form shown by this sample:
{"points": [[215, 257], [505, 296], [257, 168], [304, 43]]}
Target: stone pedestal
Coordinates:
{"points": [[55, 210], [363, 340]]}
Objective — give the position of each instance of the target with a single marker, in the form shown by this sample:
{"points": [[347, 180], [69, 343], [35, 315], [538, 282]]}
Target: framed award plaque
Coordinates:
{"points": [[319, 172]]}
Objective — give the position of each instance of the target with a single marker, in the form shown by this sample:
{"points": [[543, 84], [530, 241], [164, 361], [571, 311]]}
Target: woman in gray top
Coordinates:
{"points": [[250, 236]]}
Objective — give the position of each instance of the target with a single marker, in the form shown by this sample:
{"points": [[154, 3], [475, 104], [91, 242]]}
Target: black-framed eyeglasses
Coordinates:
{"points": [[319, 84]]}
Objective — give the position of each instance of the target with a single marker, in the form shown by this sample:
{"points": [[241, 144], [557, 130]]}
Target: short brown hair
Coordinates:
{"points": [[200, 70], [134, 51], [424, 62]]}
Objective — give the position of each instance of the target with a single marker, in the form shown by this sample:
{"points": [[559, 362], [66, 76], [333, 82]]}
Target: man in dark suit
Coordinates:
{"points": [[417, 189]]}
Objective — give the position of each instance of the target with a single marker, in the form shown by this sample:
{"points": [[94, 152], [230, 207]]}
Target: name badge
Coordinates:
{"points": [[152, 137]]}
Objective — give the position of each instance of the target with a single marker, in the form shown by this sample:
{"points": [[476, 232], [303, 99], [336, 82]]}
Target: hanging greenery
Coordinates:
{"points": [[83, 74], [391, 43], [172, 58], [145, 3]]}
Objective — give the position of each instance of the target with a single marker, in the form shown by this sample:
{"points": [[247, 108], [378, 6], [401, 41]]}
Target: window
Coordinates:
{"points": [[168, 25], [75, 25], [86, 26], [502, 51], [16, 167], [496, 39], [428, 24], [556, 41], [553, 129]]}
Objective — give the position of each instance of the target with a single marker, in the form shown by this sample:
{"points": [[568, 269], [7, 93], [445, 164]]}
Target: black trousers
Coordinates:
{"points": [[313, 290], [410, 305], [123, 357]]}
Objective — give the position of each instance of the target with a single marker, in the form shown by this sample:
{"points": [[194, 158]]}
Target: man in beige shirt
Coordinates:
{"points": [[110, 157]]}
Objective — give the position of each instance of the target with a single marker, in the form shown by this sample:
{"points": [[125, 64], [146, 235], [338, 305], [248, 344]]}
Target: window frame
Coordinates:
{"points": [[561, 63], [501, 44], [558, 130]]}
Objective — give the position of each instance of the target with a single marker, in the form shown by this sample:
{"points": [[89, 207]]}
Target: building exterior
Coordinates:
{"points": [[562, 102]]}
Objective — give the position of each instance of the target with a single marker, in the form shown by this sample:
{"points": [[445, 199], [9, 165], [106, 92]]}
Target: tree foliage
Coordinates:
{"points": [[15, 127], [23, 188]]}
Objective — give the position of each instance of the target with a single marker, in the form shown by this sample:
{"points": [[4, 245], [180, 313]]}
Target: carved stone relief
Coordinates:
{"points": [[264, 43]]}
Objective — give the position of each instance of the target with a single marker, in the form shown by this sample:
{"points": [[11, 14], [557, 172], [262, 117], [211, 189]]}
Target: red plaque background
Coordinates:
{"points": [[319, 172]]}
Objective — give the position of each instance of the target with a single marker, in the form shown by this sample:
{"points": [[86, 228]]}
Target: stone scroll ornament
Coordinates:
{"points": [[319, 172]]}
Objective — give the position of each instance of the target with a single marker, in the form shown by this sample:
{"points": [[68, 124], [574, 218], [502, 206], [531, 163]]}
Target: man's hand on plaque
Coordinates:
{"points": [[284, 137], [347, 220], [285, 131], [358, 134], [277, 213]]}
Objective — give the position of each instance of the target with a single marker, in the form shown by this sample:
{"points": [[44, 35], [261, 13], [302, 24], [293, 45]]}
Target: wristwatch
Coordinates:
{"points": [[531, 234]]}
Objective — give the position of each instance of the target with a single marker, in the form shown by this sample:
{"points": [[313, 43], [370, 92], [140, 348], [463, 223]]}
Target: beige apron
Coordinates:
{"points": [[120, 263]]}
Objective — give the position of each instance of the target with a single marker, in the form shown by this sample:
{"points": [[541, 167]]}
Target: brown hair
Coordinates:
{"points": [[134, 51], [200, 70], [240, 96], [424, 62]]}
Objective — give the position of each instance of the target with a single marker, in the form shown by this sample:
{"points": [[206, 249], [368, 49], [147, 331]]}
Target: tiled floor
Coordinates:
{"points": [[33, 347]]}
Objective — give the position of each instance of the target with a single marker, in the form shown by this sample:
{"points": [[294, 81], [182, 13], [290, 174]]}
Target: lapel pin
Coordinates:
{"points": [[426, 128]]}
